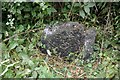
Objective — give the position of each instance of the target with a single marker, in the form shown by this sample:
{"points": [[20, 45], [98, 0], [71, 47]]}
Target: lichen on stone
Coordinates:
{"points": [[69, 37]]}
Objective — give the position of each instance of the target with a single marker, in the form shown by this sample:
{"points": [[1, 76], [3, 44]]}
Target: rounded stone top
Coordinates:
{"points": [[69, 37]]}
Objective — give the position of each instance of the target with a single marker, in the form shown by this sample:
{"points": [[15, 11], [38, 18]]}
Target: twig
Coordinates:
{"points": [[70, 9], [4, 62], [7, 68], [56, 71], [46, 65], [32, 30], [81, 75]]}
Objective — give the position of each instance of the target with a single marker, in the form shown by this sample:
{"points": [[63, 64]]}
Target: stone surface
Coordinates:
{"points": [[62, 39]]}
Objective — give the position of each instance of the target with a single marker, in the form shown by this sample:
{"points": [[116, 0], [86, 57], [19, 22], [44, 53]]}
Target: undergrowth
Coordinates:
{"points": [[23, 24]]}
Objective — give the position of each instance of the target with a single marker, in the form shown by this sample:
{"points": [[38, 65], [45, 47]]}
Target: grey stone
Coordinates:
{"points": [[68, 37]]}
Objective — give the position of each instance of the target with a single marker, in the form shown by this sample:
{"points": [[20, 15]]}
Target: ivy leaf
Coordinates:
{"points": [[82, 13], [50, 10]]}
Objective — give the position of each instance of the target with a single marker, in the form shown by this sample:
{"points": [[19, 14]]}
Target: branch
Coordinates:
{"points": [[32, 30], [6, 69]]}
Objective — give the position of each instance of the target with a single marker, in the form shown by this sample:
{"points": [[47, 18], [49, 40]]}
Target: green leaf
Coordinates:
{"points": [[91, 4], [18, 49], [31, 46], [0, 36], [33, 13], [95, 73], [27, 9], [9, 74], [42, 76], [19, 17], [21, 28], [19, 11], [31, 64], [82, 13], [53, 10], [13, 11], [77, 4], [44, 7], [28, 27], [27, 60], [3, 46], [25, 72], [34, 74], [13, 45], [40, 15], [20, 41], [87, 10], [42, 4], [27, 16], [89, 65], [50, 10]]}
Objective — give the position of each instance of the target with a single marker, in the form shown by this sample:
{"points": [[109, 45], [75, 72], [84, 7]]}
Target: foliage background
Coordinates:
{"points": [[23, 23]]}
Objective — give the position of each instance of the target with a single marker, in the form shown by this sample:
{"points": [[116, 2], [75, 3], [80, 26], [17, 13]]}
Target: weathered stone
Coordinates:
{"points": [[69, 37]]}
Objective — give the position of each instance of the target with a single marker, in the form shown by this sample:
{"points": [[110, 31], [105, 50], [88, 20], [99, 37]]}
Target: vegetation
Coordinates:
{"points": [[23, 23]]}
